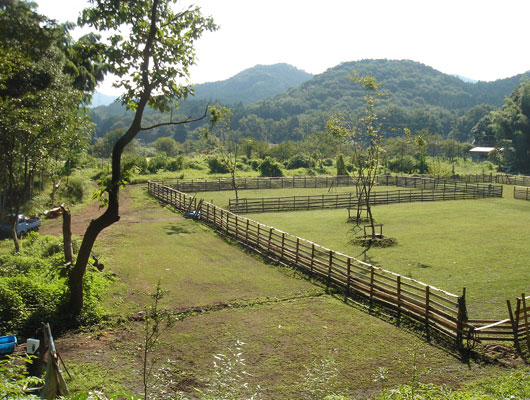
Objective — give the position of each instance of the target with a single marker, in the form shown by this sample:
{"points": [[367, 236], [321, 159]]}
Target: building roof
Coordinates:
{"points": [[481, 149]]}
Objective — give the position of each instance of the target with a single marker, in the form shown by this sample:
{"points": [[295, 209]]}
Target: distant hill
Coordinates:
{"points": [[409, 84], [419, 98], [463, 78], [100, 99], [252, 85]]}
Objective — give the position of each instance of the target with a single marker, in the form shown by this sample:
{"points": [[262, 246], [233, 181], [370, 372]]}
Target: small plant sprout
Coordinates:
{"points": [[381, 376], [230, 380], [156, 322]]}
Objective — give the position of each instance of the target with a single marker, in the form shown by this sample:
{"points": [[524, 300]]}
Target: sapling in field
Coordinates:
{"points": [[364, 139]]}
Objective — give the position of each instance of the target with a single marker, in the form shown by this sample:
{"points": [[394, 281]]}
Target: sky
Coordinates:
{"points": [[478, 39]]}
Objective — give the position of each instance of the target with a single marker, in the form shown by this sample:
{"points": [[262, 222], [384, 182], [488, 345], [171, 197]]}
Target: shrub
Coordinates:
{"points": [[405, 164], [193, 164], [299, 161], [328, 162], [341, 166], [135, 161], [175, 164], [254, 164], [269, 167], [11, 307], [157, 163], [216, 166], [33, 287], [75, 190]]}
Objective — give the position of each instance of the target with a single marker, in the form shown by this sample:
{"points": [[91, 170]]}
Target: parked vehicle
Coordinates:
{"points": [[23, 225]]}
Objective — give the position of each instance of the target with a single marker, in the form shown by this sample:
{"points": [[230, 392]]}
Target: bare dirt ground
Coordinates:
{"points": [[81, 218]]}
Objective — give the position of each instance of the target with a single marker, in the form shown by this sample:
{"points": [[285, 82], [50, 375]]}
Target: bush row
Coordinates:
{"points": [[33, 287]]}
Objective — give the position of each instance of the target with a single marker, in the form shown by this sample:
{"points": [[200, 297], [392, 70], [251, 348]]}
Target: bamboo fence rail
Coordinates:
{"points": [[253, 183], [350, 200], [247, 183], [522, 193], [436, 309], [505, 179]]}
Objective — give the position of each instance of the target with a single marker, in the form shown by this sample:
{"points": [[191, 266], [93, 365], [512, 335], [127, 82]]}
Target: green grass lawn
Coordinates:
{"points": [[478, 244], [297, 339]]}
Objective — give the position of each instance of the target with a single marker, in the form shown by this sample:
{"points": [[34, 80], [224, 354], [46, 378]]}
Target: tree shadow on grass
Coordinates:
{"points": [[176, 230]]}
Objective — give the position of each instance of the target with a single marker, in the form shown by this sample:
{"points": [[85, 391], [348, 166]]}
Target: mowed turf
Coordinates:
{"points": [[298, 341], [197, 267], [481, 245], [288, 348]]}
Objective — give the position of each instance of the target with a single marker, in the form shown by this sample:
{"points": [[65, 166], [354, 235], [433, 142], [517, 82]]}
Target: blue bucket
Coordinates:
{"points": [[7, 344]]}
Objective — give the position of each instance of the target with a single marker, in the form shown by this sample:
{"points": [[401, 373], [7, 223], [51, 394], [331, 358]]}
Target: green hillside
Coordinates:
{"points": [[252, 85], [419, 98]]}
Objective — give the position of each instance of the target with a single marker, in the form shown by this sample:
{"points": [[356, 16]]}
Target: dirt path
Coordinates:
{"points": [[81, 218]]}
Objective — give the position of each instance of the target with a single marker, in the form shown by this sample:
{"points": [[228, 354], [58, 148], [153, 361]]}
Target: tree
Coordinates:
{"points": [[151, 62], [227, 144], [421, 145], [365, 142], [269, 167], [166, 145], [341, 166], [511, 125], [40, 118]]}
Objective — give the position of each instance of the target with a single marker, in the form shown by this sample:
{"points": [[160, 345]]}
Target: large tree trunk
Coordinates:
{"points": [[13, 221], [67, 235], [110, 216]]}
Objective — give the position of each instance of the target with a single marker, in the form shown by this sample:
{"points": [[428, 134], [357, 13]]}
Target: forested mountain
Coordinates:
{"points": [[418, 97], [252, 85]]}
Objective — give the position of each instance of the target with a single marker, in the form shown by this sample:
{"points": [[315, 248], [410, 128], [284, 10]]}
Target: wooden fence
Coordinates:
{"points": [[348, 200], [505, 179], [429, 190], [515, 329], [437, 310], [247, 183], [521, 193], [434, 308], [253, 183]]}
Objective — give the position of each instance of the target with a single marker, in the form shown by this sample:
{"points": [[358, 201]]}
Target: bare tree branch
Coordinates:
{"points": [[185, 121]]}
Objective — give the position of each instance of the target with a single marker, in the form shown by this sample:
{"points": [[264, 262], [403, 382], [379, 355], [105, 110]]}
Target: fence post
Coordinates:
{"points": [[398, 289], [427, 301], [348, 273], [246, 231], [257, 237], [371, 285], [515, 325], [283, 243], [214, 219], [237, 218], [270, 238], [330, 266], [312, 258], [460, 318], [297, 247], [525, 315]]}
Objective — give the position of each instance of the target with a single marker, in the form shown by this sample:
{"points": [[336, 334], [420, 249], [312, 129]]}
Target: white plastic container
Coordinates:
{"points": [[32, 346]]}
